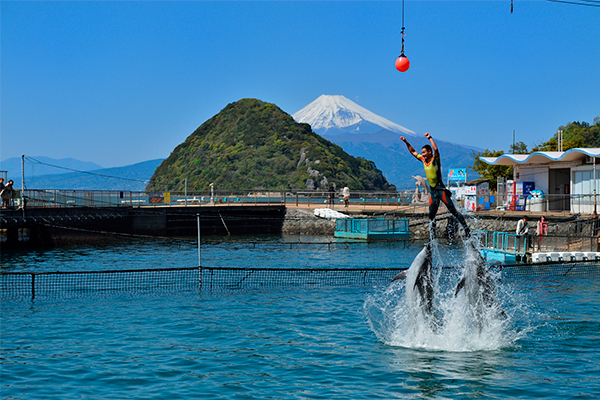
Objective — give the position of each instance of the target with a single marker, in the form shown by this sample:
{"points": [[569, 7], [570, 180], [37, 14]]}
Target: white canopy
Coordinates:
{"points": [[542, 157]]}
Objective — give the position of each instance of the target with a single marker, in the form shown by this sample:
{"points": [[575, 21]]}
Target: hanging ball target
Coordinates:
{"points": [[402, 63]]}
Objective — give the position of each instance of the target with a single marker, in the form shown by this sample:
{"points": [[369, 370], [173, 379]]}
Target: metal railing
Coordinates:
{"points": [[574, 203], [115, 198], [520, 245], [503, 241], [566, 203], [378, 225]]}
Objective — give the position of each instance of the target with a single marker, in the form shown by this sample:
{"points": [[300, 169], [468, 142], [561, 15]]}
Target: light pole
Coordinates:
{"points": [[595, 186], [559, 135]]}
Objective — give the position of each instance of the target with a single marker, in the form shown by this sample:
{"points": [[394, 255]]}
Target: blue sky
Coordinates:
{"points": [[123, 82]]}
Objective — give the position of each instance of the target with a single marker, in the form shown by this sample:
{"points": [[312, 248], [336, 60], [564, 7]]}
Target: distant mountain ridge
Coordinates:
{"points": [[362, 133], [133, 177], [41, 165]]}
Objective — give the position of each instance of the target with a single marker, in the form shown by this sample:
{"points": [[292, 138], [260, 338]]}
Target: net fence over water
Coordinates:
{"points": [[209, 279]]}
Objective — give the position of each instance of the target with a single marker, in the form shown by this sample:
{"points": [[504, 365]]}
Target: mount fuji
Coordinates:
{"points": [[331, 115], [363, 133]]}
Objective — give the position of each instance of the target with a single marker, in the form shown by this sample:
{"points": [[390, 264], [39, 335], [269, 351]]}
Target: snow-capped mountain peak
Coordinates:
{"points": [[338, 112]]}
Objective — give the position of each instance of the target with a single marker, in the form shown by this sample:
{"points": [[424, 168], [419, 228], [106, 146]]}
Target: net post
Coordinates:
{"points": [[200, 278], [199, 242], [32, 286]]}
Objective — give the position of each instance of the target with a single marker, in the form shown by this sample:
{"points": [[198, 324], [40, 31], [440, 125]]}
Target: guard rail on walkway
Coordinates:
{"points": [[520, 245], [109, 198]]}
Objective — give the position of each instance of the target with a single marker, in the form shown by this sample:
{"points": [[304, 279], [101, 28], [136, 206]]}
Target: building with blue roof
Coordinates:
{"points": [[568, 179]]}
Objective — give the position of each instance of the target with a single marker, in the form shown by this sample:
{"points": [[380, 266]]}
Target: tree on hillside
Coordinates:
{"points": [[575, 134], [487, 171]]}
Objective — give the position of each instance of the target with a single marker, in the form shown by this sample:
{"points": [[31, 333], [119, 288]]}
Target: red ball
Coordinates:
{"points": [[402, 63]]}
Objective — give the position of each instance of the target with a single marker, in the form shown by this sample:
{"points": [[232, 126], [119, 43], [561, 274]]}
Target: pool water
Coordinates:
{"points": [[302, 343]]}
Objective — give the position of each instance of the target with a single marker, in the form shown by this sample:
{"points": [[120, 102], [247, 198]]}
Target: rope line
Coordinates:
{"points": [[84, 172], [595, 3]]}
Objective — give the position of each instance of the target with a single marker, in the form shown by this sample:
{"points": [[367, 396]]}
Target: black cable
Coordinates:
{"points": [[85, 172], [575, 3]]}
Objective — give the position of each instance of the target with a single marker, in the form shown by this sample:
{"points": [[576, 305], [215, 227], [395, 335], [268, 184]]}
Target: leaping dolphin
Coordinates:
{"points": [[479, 287], [424, 278]]}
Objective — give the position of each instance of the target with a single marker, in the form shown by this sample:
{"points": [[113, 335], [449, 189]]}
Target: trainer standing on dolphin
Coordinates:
{"points": [[430, 156]]}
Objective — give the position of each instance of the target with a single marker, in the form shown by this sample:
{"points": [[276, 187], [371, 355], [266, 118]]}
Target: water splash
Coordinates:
{"points": [[459, 323]]}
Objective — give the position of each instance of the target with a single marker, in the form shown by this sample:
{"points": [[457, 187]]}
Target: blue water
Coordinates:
{"points": [[293, 343]]}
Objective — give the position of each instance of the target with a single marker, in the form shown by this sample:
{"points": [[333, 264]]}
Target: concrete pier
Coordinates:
{"points": [[60, 226]]}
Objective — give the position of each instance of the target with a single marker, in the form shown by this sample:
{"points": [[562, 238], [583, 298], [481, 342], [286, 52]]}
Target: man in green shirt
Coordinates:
{"points": [[430, 156]]}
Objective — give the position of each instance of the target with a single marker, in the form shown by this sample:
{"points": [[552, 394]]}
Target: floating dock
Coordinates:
{"points": [[509, 248], [372, 229], [504, 247]]}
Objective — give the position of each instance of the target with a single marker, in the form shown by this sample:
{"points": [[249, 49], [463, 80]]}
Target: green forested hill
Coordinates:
{"points": [[254, 145]]}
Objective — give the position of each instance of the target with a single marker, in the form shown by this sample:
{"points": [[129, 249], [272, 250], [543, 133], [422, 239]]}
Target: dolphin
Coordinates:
{"points": [[424, 278], [480, 289]]}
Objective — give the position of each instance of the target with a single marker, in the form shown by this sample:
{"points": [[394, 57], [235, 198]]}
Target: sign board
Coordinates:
{"points": [[156, 198], [457, 175]]}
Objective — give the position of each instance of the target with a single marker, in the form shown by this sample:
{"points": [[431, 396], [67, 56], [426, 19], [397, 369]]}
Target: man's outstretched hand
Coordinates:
{"points": [[428, 135]]}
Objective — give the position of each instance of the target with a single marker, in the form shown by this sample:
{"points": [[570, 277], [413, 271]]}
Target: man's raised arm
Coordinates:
{"points": [[410, 148], [433, 145]]}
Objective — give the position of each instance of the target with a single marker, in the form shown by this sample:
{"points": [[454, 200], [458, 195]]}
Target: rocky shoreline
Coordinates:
{"points": [[302, 221]]}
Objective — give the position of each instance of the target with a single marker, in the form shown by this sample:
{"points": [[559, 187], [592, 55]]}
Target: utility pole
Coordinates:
{"points": [[595, 187], [559, 135], [513, 146], [23, 184]]}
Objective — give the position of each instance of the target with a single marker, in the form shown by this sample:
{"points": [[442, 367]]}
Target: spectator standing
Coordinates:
{"points": [[523, 226], [346, 194], [523, 231], [331, 196], [6, 194], [542, 230]]}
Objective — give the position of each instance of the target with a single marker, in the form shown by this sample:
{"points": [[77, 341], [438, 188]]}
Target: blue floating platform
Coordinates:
{"points": [[501, 256], [371, 229]]}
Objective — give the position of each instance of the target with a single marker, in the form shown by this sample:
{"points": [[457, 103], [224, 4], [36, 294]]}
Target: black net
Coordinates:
{"points": [[17, 284], [549, 269], [207, 279], [217, 279]]}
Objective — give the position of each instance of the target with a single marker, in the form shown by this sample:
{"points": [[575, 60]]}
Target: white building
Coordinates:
{"points": [[568, 179]]}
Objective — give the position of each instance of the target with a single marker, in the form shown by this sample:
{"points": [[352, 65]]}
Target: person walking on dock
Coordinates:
{"points": [[430, 157]]}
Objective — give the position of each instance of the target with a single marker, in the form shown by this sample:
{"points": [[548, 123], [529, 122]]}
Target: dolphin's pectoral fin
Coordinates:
{"points": [[401, 275], [460, 285]]}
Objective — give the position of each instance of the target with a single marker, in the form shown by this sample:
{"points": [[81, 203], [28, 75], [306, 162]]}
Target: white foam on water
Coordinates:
{"points": [[461, 323]]}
